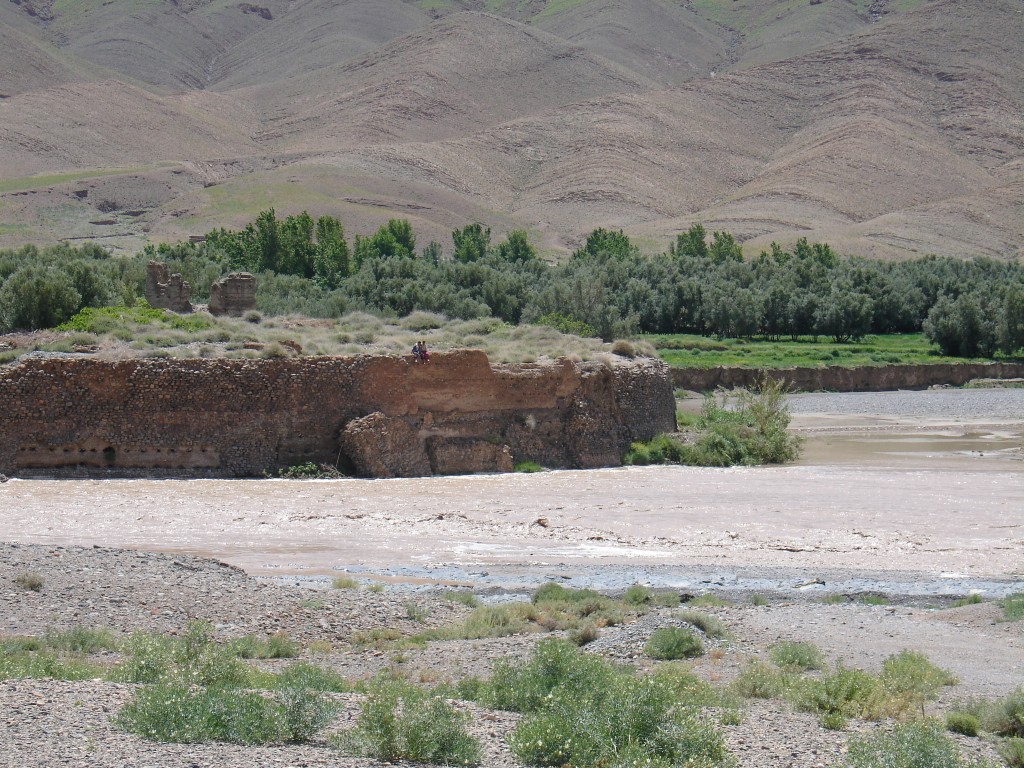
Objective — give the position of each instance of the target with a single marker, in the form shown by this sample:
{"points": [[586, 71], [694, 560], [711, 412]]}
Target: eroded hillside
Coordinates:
{"points": [[888, 128]]}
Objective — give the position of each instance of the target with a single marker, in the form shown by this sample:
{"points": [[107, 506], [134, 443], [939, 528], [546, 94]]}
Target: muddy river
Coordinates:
{"points": [[925, 487]]}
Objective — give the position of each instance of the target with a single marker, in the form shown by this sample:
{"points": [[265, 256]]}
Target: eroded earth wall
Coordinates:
{"points": [[880, 378], [375, 416]]}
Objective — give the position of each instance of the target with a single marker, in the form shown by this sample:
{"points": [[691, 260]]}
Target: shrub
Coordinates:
{"points": [[527, 467], [707, 600], [310, 677], [760, 681], [29, 658], [911, 676], [711, 626], [310, 471], [610, 717], [31, 582], [192, 659], [584, 635], [1012, 751], [910, 745], [344, 582], [461, 596], [276, 646], [847, 692], [674, 643], [416, 613], [82, 640], [182, 714], [637, 595], [962, 723], [662, 449], [791, 654], [524, 686], [623, 348], [399, 721], [37, 297], [1013, 607], [972, 599]]}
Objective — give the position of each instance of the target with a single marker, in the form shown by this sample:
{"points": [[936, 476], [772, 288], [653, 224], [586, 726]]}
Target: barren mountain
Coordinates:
{"points": [[888, 129]]}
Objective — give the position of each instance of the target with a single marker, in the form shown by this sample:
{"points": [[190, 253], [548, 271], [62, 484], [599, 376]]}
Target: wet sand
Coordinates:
{"points": [[935, 494]]}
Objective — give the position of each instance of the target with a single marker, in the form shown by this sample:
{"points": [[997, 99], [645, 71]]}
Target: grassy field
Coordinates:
{"points": [[688, 351]]}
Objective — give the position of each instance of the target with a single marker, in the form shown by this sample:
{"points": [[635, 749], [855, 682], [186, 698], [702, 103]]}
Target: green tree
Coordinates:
{"points": [[331, 262], [37, 297], [1010, 331], [724, 248], [844, 315], [516, 247], [692, 243], [604, 244], [471, 242]]}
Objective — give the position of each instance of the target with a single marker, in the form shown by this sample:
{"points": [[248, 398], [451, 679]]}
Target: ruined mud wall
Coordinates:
{"points": [[377, 416], [880, 378]]}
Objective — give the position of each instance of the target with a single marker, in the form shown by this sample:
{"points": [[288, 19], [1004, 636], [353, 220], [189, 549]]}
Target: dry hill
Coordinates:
{"points": [[887, 128]]}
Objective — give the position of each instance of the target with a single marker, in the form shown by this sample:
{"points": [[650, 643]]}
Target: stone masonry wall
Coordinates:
{"points": [[380, 416]]}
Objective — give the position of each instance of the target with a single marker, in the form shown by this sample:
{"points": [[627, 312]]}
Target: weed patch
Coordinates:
{"points": [[672, 643], [910, 745], [581, 711], [1013, 607], [796, 655], [399, 721]]}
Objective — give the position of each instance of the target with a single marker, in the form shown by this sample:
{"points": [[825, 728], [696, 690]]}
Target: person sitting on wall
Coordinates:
{"points": [[416, 355], [424, 354]]}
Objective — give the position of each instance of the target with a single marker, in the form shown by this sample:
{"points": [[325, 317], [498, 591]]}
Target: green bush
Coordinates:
{"points": [[792, 654], [847, 692], [461, 596], [554, 663], [399, 721], [82, 640], [962, 723], [527, 467], [746, 428], [710, 625], [310, 677], [276, 646], [610, 717], [637, 595], [910, 676], [1013, 607], [759, 681], [661, 449], [910, 745], [189, 714], [674, 643], [192, 659], [37, 297], [973, 599], [1012, 751], [28, 659]]}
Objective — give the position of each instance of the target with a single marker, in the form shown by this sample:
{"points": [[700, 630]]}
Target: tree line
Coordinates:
{"points": [[701, 284]]}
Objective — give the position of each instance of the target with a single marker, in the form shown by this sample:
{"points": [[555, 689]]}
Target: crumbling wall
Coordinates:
{"points": [[233, 294], [378, 416], [167, 291]]}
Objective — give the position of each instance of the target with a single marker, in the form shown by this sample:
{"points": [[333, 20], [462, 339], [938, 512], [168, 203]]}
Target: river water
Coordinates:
{"points": [[922, 488]]}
